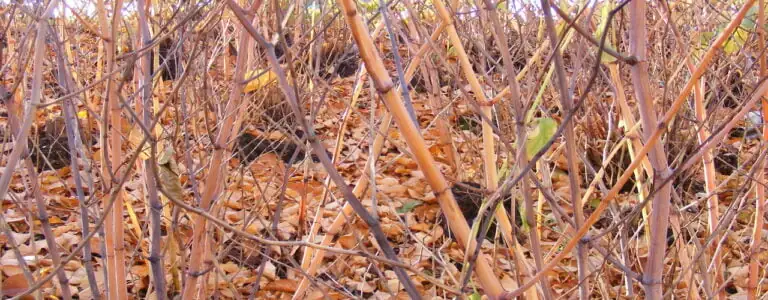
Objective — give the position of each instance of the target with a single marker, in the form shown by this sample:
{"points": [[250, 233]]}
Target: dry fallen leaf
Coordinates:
{"points": [[347, 241], [14, 285], [282, 285]]}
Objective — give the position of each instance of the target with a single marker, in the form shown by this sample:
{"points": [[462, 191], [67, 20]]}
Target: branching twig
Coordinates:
{"points": [[318, 150]]}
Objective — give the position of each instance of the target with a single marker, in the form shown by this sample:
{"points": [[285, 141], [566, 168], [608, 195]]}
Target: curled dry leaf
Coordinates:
{"points": [[10, 270], [347, 241], [168, 173], [393, 230], [14, 285], [229, 267], [282, 285]]}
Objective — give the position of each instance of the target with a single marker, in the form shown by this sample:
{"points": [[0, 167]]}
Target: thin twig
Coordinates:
{"points": [[320, 151]]}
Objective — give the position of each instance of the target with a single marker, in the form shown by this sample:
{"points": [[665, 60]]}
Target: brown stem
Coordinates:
{"points": [[760, 90], [757, 230], [217, 171], [73, 142], [489, 154], [630, 60], [566, 100], [319, 150], [155, 206], [31, 107], [516, 100], [416, 143], [110, 203], [42, 213], [710, 181], [362, 183], [659, 216], [22, 134], [113, 239]]}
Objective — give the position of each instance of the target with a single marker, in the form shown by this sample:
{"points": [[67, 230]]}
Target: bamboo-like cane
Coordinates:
{"points": [[306, 258], [16, 100], [32, 179], [318, 149], [489, 154], [755, 272], [659, 216], [113, 227], [155, 206], [32, 176], [709, 178], [415, 141], [217, 170], [521, 158], [316, 255], [69, 79], [710, 181], [654, 138], [611, 195], [567, 102], [435, 99], [635, 143]]}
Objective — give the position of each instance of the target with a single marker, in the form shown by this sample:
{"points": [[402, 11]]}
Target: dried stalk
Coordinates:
{"points": [[634, 143], [753, 287], [73, 142], [414, 140], [531, 63], [520, 157], [34, 101], [113, 239], [319, 150], [346, 212], [22, 134], [566, 100], [630, 60], [155, 206], [763, 88], [659, 216], [489, 156], [42, 213], [432, 81], [362, 183], [384, 11], [217, 171], [710, 182], [306, 261], [709, 174], [110, 203]]}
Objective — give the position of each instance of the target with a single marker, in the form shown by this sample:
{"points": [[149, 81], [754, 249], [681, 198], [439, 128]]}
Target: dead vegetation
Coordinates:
{"points": [[265, 149]]}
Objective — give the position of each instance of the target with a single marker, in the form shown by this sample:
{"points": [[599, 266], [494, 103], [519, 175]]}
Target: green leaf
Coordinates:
{"points": [[263, 79], [314, 10], [525, 228], [541, 134], [739, 37], [408, 206], [475, 296], [736, 42], [452, 52], [370, 5], [604, 13], [594, 203], [504, 170]]}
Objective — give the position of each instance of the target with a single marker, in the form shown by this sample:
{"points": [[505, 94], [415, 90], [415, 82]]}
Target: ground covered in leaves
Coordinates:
{"points": [[271, 193], [254, 192]]}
